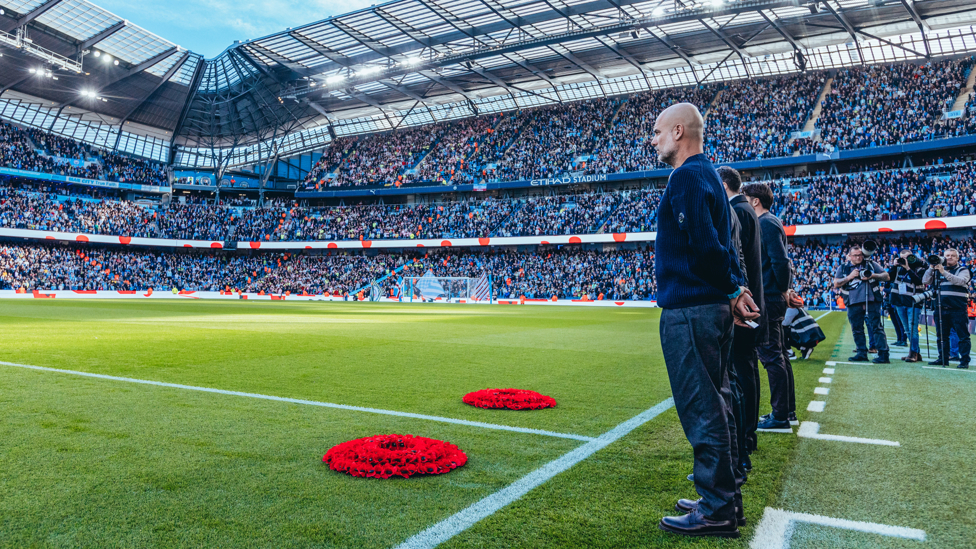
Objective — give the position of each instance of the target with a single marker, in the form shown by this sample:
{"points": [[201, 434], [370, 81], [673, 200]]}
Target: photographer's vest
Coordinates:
{"points": [[955, 298], [846, 289], [902, 290]]}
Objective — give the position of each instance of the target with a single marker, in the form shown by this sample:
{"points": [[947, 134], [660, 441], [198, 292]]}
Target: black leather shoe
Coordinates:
{"points": [[882, 358], [694, 524], [773, 423], [689, 505], [859, 357], [963, 366], [938, 362]]}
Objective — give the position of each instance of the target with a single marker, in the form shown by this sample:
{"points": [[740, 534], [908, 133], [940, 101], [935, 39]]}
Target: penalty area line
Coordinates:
{"points": [[310, 403], [461, 521]]}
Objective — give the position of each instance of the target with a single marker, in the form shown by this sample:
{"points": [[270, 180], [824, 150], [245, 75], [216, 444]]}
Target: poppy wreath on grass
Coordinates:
{"points": [[384, 456], [513, 399]]}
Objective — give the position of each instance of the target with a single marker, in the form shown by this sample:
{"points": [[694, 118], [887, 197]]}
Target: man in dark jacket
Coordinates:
{"points": [[745, 364], [701, 295], [777, 278]]}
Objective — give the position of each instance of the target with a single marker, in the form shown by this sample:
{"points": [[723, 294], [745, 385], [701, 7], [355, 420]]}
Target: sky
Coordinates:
{"points": [[208, 27]]}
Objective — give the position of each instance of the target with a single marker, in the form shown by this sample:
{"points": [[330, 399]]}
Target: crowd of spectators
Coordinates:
{"points": [[878, 195], [882, 105], [554, 140], [637, 212], [38, 151], [561, 215], [745, 120], [954, 193], [934, 191], [449, 160], [754, 119], [566, 273], [628, 147]]}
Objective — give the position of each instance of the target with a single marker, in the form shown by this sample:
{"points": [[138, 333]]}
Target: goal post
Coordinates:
{"points": [[450, 289]]}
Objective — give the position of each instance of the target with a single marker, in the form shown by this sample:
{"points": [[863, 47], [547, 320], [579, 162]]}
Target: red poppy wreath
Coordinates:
{"points": [[384, 456], [513, 399]]}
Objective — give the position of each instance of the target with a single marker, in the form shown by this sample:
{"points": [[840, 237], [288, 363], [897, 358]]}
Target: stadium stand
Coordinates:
{"points": [[38, 151], [883, 105]]}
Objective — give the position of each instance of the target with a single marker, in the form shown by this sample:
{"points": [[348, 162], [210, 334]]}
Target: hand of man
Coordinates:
{"points": [[744, 308], [856, 273], [940, 267]]}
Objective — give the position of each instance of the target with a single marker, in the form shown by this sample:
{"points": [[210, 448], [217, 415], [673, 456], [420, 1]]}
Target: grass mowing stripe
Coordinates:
{"points": [[311, 403], [454, 525]]}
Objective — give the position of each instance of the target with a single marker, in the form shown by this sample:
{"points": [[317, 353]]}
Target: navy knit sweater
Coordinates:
{"points": [[695, 261]]}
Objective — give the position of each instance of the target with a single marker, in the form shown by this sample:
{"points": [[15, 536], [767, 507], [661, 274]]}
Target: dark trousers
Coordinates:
{"points": [[900, 332], [958, 321], [856, 315], [697, 342], [745, 372], [778, 367]]}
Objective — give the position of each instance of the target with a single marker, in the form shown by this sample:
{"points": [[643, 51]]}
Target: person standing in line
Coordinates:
{"points": [[862, 295], [905, 277], [745, 363], [777, 277], [953, 301], [700, 292]]}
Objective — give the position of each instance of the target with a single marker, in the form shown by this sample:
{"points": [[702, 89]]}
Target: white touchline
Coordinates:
{"points": [[821, 391], [816, 406], [311, 403], [968, 371], [809, 429], [461, 521], [828, 370], [776, 528], [825, 380], [821, 316]]}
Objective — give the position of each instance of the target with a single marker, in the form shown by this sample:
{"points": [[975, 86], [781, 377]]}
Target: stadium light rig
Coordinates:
{"points": [[22, 42]]}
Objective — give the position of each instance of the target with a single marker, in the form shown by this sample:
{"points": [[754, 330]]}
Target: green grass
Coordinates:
{"points": [[100, 463], [923, 484]]}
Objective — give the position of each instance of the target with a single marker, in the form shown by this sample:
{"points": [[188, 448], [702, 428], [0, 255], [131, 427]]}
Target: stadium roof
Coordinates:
{"points": [[415, 61]]}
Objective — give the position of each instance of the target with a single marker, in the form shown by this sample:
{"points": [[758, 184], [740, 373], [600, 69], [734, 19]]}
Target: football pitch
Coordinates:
{"points": [[206, 422]]}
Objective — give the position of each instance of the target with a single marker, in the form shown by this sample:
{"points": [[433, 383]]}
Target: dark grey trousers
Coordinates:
{"points": [[745, 372], [773, 356], [697, 342]]}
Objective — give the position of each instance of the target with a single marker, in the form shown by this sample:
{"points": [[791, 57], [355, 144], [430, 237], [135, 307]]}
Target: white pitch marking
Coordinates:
{"points": [[836, 362], [461, 521], [783, 430], [825, 380], [828, 370], [816, 406], [966, 370], [821, 316], [809, 429], [821, 391], [311, 403], [776, 528]]}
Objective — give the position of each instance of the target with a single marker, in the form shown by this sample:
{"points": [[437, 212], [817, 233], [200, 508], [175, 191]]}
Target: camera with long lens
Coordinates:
{"points": [[935, 260], [867, 270], [924, 296]]}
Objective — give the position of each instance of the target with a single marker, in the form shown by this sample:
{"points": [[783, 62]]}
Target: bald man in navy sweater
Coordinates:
{"points": [[702, 292]]}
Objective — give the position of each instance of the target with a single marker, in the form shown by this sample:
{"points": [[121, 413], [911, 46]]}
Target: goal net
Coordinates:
{"points": [[452, 289]]}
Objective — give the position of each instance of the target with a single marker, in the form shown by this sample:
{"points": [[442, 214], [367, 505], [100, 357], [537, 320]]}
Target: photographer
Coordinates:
{"points": [[859, 282], [905, 276], [951, 280]]}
